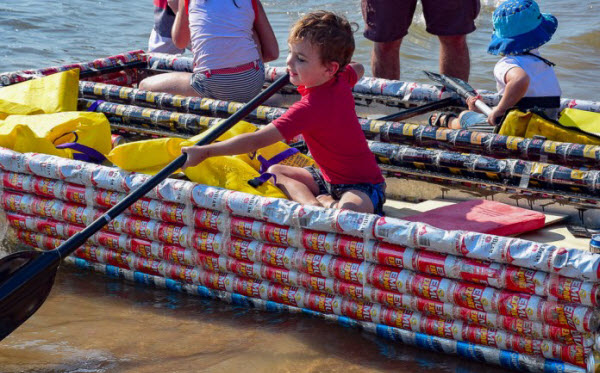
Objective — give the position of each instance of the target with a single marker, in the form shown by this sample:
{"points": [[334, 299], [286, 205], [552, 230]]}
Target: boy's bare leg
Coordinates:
{"points": [[297, 183], [177, 83], [356, 201], [454, 123], [327, 200]]}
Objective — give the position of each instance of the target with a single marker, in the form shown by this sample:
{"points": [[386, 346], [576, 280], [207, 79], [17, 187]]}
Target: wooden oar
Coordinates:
{"points": [[26, 277]]}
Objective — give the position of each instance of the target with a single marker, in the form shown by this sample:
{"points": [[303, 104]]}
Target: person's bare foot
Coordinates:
{"points": [[326, 200]]}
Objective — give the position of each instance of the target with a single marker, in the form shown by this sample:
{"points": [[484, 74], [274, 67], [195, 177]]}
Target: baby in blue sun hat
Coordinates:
{"points": [[524, 78]]}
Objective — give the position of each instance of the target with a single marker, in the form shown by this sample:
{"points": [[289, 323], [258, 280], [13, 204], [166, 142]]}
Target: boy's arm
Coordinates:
{"points": [[241, 144], [358, 68], [517, 82]]}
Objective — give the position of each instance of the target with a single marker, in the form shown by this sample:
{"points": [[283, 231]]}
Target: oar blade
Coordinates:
{"points": [[461, 87], [454, 84], [18, 304], [434, 77]]}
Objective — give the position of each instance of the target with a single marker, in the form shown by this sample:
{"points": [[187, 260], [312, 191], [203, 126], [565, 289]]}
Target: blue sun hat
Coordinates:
{"points": [[519, 27]]}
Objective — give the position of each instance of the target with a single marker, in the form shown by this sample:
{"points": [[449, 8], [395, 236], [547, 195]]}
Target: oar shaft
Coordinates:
{"points": [[210, 135], [412, 112], [483, 107], [20, 294]]}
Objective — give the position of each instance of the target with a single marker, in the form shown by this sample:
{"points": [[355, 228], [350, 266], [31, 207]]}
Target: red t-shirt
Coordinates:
{"points": [[326, 118]]}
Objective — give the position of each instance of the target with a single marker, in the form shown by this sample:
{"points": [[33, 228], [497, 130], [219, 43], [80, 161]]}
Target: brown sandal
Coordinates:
{"points": [[442, 119]]}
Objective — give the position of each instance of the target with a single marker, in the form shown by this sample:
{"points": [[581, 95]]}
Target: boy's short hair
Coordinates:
{"points": [[329, 32]]}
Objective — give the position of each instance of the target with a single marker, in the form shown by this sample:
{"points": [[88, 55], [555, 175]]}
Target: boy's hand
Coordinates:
{"points": [[195, 155]]}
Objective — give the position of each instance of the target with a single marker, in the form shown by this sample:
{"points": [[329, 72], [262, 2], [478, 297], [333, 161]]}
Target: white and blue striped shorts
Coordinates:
{"points": [[240, 87]]}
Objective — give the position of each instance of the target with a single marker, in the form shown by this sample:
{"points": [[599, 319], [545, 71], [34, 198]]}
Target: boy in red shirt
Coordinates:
{"points": [[321, 46]]}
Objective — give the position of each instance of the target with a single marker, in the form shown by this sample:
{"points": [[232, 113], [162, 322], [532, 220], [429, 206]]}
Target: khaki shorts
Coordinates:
{"points": [[388, 20]]}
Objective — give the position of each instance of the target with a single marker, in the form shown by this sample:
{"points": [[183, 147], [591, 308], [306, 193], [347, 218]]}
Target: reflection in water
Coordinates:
{"points": [[91, 323]]}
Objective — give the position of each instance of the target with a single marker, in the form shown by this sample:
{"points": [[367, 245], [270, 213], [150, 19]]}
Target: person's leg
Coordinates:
{"points": [[444, 119], [327, 200], [471, 119], [177, 83], [454, 56], [451, 21], [386, 23], [385, 59], [297, 183], [356, 200]]}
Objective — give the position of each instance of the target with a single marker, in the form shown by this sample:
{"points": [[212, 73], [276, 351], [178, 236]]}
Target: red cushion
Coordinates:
{"points": [[482, 216]]}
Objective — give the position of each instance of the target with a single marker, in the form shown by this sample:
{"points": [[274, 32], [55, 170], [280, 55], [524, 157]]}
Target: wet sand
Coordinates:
{"points": [[91, 323]]}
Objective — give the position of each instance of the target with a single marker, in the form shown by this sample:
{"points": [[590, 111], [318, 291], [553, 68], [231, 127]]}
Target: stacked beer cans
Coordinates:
{"points": [[408, 92], [120, 78], [501, 300]]}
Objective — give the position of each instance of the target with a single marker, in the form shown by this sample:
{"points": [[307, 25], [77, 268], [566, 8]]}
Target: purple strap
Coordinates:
{"points": [[86, 154], [260, 180], [95, 105], [265, 164]]}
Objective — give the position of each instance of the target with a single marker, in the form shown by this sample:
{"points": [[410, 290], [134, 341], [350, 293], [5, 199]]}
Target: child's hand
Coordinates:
{"points": [[195, 155], [495, 115], [471, 103]]}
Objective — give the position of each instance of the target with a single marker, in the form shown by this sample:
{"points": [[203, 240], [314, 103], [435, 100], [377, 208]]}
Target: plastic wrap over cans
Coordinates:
{"points": [[357, 267]]}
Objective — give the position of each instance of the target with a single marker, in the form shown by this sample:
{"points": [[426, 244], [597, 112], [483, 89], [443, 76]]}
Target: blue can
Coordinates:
{"points": [[595, 243]]}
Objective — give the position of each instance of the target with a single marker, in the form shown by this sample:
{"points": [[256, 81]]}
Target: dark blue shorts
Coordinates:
{"points": [[376, 192]]}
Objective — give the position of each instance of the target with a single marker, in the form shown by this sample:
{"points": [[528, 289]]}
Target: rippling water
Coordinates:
{"points": [[94, 324], [39, 33]]}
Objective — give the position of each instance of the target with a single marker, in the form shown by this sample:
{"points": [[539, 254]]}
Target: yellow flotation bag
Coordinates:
{"points": [[278, 153], [528, 125], [39, 116], [51, 94], [77, 135], [12, 108], [230, 172], [587, 121]]}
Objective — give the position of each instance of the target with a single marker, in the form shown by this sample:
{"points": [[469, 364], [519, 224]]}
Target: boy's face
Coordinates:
{"points": [[305, 66]]}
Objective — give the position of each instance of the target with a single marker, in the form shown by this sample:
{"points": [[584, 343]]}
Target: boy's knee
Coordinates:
{"points": [[145, 85], [142, 85]]}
